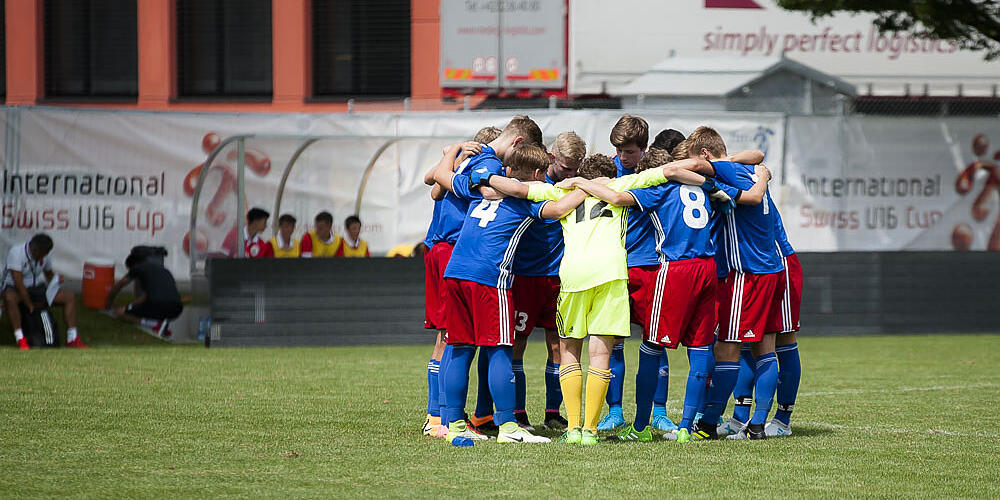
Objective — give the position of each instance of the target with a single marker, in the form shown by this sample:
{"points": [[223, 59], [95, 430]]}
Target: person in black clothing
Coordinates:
{"points": [[157, 300]]}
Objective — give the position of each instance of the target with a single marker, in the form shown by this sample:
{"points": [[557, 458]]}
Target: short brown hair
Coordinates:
{"points": [[525, 160], [597, 165], [486, 135], [570, 146], [706, 138], [653, 158], [630, 130], [682, 150], [525, 127]]}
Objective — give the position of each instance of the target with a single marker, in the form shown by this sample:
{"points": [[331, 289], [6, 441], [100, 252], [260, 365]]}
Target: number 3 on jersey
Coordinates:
{"points": [[486, 211], [693, 199]]}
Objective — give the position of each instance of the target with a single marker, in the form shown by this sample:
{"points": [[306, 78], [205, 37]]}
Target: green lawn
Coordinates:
{"points": [[894, 416]]}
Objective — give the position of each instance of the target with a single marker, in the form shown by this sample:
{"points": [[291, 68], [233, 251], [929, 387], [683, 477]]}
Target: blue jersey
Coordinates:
{"points": [[541, 248], [621, 168], [747, 238], [681, 218], [449, 212], [779, 232], [490, 234]]}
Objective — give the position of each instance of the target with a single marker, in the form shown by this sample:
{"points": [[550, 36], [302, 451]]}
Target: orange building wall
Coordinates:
{"points": [[157, 61]]}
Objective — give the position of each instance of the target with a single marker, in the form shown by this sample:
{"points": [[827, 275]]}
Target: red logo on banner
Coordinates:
{"points": [[732, 4], [961, 236]]}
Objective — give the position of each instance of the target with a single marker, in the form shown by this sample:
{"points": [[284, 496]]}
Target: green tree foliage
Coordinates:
{"points": [[973, 24]]}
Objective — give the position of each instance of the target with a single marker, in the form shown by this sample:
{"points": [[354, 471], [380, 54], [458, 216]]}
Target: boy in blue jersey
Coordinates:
{"points": [[441, 235], [786, 349], [536, 286], [629, 136], [478, 280], [750, 295]]}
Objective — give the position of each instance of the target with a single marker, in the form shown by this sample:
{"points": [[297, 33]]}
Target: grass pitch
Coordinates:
{"points": [[894, 416]]}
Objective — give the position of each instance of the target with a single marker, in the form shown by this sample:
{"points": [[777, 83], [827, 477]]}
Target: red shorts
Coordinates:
{"points": [[750, 305], [683, 308], [435, 261], [478, 314], [641, 281], [534, 303], [791, 304]]}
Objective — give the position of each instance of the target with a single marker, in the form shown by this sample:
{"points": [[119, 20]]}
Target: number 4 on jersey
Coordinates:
{"points": [[486, 211]]}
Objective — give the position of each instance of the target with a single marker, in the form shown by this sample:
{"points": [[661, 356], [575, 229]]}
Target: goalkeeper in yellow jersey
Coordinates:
{"points": [[593, 299]]}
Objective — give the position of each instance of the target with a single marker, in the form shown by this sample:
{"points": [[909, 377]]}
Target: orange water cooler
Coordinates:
{"points": [[98, 277]]}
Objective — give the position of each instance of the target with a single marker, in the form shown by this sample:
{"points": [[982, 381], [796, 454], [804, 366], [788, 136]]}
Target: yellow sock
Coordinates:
{"points": [[597, 388], [571, 383]]}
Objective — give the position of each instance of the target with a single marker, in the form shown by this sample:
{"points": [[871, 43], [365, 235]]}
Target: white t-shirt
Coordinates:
{"points": [[32, 271]]}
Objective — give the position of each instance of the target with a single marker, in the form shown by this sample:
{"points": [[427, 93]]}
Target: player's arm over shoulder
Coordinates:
{"points": [[755, 195], [540, 191], [564, 205]]}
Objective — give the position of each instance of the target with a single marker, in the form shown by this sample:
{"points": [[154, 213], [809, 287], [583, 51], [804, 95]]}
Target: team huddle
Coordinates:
{"points": [[678, 237]]}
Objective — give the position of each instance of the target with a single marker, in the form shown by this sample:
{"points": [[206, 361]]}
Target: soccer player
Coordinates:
{"points": [[750, 296], [536, 286], [353, 245], [446, 223], [786, 349], [321, 241], [28, 266], [254, 246], [593, 299], [786, 343], [478, 280], [629, 136], [283, 244]]}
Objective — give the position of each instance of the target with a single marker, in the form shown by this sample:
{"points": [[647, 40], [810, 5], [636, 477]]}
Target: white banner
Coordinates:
{"points": [[100, 182], [870, 183]]}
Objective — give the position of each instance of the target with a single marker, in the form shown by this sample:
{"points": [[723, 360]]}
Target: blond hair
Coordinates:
{"points": [[486, 135], [525, 159], [526, 128], [630, 130], [570, 147], [597, 165], [706, 138], [653, 158]]}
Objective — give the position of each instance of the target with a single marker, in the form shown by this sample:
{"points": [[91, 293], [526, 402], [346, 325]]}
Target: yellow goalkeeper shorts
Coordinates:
{"points": [[601, 310]]}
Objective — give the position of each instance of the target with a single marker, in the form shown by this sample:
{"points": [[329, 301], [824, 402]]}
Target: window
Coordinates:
{"points": [[224, 48], [361, 47], [90, 48]]}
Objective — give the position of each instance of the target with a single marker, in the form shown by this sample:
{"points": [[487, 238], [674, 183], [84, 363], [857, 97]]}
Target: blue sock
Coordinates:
{"points": [[645, 382], [484, 401], [701, 362], [442, 370], [743, 392], [789, 373], [616, 387], [520, 384], [662, 384], [767, 382], [457, 381], [723, 379], [553, 392], [433, 389], [501, 382]]}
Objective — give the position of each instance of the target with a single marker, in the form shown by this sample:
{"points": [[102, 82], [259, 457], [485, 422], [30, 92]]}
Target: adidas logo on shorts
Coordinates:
{"points": [[748, 334]]}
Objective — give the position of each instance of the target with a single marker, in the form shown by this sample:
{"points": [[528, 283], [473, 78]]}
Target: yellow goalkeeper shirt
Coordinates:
{"points": [[594, 233]]}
